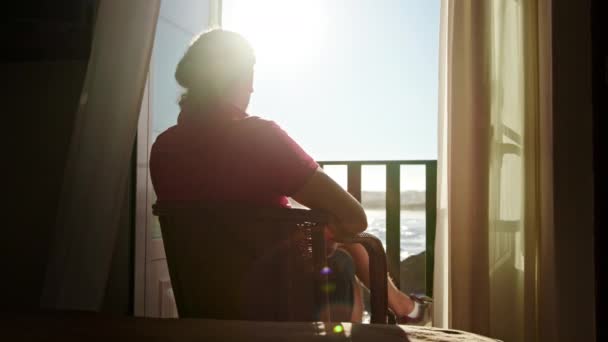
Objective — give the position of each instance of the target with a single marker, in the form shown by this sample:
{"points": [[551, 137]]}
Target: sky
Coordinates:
{"points": [[347, 79]]}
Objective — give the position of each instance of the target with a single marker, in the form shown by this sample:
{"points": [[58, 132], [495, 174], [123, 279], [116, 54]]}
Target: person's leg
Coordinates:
{"points": [[399, 302], [344, 290], [357, 314]]}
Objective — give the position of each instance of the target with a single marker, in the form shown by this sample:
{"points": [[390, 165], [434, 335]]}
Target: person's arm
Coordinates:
{"points": [[292, 172], [321, 192]]}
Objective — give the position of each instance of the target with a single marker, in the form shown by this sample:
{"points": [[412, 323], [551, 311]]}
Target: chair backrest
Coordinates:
{"points": [[233, 262]]}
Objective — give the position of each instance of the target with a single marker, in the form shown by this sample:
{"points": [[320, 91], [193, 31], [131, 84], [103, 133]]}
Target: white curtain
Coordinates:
{"points": [[493, 264], [95, 178]]}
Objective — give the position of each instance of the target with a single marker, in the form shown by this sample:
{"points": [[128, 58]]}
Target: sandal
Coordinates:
{"points": [[424, 313]]}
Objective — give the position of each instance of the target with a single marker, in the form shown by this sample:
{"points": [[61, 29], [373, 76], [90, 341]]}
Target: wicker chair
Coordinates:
{"points": [[264, 264]]}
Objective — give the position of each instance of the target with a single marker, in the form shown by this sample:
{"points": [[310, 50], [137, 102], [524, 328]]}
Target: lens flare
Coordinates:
{"points": [[329, 288]]}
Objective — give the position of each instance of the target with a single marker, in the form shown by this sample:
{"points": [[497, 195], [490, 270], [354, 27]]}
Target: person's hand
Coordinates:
{"points": [[330, 244], [336, 230]]}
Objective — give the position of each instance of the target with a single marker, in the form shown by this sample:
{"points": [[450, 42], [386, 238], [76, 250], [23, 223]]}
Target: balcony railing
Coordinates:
{"points": [[393, 208]]}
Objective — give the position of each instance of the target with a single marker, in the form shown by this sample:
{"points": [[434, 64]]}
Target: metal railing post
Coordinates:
{"points": [[393, 220], [393, 209], [354, 180], [431, 221]]}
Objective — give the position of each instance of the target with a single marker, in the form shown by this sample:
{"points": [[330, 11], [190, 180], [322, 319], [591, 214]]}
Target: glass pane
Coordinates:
{"points": [[178, 23], [169, 47], [413, 229], [153, 221], [156, 233]]}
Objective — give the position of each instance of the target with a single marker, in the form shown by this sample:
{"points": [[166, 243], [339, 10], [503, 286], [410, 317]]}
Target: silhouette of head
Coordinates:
{"points": [[217, 69]]}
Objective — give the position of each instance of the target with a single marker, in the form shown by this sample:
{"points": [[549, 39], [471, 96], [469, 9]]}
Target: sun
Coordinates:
{"points": [[284, 33]]}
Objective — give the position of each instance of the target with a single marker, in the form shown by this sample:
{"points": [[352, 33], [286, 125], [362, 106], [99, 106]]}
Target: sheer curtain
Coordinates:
{"points": [[493, 262], [95, 177]]}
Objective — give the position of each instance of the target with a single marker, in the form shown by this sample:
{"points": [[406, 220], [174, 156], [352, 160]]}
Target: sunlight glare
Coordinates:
{"points": [[284, 33]]}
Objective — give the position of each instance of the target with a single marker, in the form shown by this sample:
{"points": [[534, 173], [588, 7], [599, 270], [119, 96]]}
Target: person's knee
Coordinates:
{"points": [[341, 281], [341, 262], [341, 277]]}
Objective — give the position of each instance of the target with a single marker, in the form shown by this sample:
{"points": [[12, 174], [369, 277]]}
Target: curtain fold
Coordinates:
{"points": [[464, 148], [96, 173], [492, 199]]}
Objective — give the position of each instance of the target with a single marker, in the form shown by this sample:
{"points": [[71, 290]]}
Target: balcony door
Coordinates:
{"points": [[349, 80], [179, 22]]}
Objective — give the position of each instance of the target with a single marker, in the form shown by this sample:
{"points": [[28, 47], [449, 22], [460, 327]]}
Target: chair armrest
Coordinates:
{"points": [[377, 274]]}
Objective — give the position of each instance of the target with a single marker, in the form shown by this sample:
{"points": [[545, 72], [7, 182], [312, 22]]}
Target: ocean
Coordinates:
{"points": [[413, 229]]}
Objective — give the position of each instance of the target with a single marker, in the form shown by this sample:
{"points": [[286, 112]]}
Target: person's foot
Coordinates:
{"points": [[422, 311]]}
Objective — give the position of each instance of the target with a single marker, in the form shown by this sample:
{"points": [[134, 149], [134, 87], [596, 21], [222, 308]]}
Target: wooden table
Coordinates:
{"points": [[97, 327]]}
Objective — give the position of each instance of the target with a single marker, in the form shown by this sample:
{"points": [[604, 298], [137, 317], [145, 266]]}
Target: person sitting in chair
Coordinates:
{"points": [[219, 153]]}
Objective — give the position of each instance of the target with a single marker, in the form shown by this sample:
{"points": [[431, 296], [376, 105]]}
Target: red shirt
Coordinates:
{"points": [[228, 157]]}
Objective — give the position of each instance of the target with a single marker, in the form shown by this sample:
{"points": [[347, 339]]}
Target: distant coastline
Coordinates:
{"points": [[410, 200], [376, 200]]}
